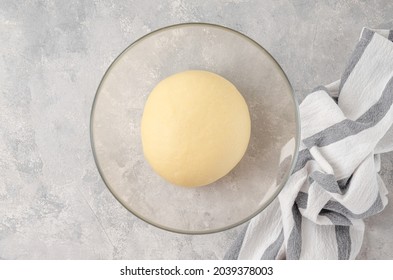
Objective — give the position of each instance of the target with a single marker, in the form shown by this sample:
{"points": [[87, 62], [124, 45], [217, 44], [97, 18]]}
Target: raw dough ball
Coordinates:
{"points": [[195, 128]]}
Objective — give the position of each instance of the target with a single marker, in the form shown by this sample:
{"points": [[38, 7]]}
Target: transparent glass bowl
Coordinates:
{"points": [[116, 117]]}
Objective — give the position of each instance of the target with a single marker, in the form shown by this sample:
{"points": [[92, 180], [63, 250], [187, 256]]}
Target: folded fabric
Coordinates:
{"points": [[335, 183]]}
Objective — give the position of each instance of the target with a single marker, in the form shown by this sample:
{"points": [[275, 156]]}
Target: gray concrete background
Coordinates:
{"points": [[53, 204]]}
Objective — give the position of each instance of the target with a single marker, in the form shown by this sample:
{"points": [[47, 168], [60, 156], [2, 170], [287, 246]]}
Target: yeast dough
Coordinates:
{"points": [[195, 128]]}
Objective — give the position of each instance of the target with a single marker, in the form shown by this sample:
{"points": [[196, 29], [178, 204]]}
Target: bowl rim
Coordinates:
{"points": [[266, 203]]}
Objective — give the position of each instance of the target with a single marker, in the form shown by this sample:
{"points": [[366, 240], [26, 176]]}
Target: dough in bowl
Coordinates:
{"points": [[195, 128]]}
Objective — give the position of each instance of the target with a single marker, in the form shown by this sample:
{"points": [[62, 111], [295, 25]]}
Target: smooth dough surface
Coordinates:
{"points": [[195, 128]]}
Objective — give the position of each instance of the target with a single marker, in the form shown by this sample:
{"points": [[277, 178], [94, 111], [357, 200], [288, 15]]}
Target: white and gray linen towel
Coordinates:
{"points": [[335, 183]]}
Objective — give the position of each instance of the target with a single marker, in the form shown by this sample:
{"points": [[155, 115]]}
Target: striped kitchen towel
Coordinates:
{"points": [[345, 126]]}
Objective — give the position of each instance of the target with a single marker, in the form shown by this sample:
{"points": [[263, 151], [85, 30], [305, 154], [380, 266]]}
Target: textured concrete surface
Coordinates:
{"points": [[53, 204]]}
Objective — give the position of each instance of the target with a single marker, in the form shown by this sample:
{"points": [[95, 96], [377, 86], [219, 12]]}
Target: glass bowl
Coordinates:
{"points": [[116, 117]]}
